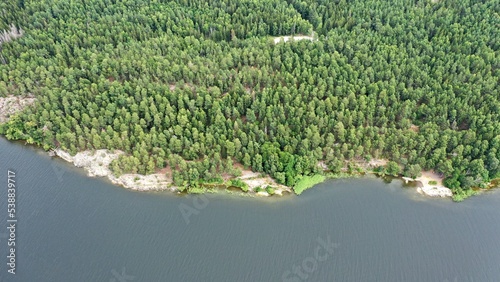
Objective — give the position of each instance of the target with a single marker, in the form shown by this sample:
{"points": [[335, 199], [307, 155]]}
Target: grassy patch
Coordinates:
{"points": [[338, 175], [196, 190], [460, 195], [307, 182]]}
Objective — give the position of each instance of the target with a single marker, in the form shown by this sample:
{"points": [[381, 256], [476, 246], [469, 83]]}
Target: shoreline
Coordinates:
{"points": [[430, 184], [96, 164], [433, 185]]}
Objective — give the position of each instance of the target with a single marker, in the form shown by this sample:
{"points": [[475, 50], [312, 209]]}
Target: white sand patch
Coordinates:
{"points": [[247, 174], [254, 180], [263, 194], [257, 182], [294, 38], [150, 182], [433, 190], [377, 162], [97, 164], [12, 104], [322, 165], [367, 165]]}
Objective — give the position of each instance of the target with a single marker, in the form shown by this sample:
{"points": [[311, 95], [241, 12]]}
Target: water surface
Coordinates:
{"points": [[75, 228]]}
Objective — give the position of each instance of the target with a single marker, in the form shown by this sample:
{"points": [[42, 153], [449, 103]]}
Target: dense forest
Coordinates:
{"points": [[200, 85]]}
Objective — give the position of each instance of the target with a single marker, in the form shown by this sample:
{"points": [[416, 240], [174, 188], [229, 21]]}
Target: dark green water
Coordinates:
{"points": [[74, 228]]}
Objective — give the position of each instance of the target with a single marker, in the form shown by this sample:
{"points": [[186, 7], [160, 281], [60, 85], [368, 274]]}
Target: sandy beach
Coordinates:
{"points": [[96, 163], [433, 190]]}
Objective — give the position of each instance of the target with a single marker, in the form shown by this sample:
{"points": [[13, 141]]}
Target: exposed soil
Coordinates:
{"points": [[11, 105]]}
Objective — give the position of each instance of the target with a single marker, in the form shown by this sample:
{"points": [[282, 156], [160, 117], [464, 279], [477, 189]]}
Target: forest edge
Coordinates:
{"points": [[96, 164]]}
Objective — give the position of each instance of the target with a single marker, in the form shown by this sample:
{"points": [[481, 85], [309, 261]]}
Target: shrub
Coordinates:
{"points": [[270, 190], [239, 183], [307, 182]]}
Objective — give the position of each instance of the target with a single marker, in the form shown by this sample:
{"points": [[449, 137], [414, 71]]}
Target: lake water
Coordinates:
{"points": [[74, 228]]}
